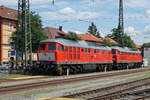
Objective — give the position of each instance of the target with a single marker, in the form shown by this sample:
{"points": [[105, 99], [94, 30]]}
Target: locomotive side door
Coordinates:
{"points": [[66, 53]]}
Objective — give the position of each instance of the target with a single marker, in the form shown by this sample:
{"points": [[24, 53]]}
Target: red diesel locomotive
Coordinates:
{"points": [[60, 54]]}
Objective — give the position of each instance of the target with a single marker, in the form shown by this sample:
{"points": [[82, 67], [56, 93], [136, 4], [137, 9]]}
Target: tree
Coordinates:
{"points": [[93, 30], [72, 35], [115, 35], [107, 43], [36, 30], [146, 45], [128, 42]]}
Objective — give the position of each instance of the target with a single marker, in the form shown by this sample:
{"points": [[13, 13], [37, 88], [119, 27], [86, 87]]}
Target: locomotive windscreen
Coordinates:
{"points": [[51, 46], [42, 46]]}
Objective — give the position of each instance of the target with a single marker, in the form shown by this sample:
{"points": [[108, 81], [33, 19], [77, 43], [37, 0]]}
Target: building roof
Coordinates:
{"points": [[111, 40], [138, 46], [8, 13], [53, 32], [89, 37]]}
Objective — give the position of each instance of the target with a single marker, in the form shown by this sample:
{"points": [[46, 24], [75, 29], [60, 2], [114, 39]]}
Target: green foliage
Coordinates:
{"points": [[128, 42], [146, 44], [72, 35], [36, 30], [93, 30], [107, 43], [115, 35]]}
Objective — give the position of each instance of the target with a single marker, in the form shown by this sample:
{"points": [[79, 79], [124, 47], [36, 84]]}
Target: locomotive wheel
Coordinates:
{"points": [[60, 70]]}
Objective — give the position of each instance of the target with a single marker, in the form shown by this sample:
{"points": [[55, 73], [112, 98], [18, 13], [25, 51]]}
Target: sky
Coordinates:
{"points": [[76, 15]]}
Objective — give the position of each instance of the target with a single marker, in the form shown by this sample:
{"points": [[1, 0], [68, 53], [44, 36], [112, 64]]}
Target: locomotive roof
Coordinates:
{"points": [[126, 49], [76, 43]]}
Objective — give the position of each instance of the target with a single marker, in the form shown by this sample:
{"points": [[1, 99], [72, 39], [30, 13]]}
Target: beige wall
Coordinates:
{"points": [[6, 34]]}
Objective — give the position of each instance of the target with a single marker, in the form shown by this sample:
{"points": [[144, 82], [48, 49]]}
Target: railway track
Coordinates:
{"points": [[14, 88], [113, 92], [103, 74]]}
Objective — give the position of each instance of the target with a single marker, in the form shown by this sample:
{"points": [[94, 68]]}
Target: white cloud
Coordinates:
{"points": [[73, 30], [139, 37], [148, 13], [138, 3], [147, 29], [131, 31], [69, 13], [9, 2]]}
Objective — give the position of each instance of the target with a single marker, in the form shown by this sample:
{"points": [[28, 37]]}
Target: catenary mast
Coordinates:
{"points": [[121, 23], [25, 26]]}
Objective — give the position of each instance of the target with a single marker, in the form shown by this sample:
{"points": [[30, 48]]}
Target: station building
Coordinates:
{"points": [[8, 19]]}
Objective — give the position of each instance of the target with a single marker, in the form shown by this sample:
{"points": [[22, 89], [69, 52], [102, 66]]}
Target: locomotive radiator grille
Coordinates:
{"points": [[47, 56]]}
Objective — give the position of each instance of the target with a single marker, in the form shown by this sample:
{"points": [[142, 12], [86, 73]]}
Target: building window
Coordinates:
{"points": [[9, 40], [9, 26]]}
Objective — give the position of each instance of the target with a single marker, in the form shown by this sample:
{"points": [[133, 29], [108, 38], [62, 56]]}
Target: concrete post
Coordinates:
{"points": [[67, 71], [105, 69]]}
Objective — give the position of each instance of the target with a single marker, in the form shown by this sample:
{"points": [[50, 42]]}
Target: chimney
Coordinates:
{"points": [[2, 7], [60, 28]]}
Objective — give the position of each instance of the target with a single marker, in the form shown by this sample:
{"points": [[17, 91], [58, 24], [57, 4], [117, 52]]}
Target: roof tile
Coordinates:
{"points": [[8, 13], [111, 40], [138, 46], [53, 32], [89, 37]]}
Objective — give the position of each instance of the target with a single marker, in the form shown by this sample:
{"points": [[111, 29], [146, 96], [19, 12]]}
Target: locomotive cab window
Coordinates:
{"points": [[51, 46], [42, 46], [60, 48]]}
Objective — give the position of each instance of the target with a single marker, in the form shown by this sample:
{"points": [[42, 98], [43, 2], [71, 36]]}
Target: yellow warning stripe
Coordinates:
{"points": [[27, 77]]}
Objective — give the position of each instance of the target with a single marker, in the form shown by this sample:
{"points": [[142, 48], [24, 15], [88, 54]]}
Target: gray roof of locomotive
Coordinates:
{"points": [[126, 49], [76, 43]]}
